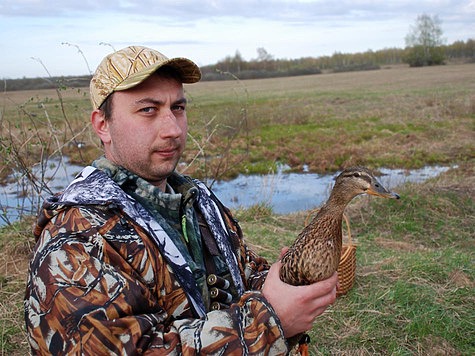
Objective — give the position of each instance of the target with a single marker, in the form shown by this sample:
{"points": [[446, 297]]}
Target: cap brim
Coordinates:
{"points": [[189, 73]]}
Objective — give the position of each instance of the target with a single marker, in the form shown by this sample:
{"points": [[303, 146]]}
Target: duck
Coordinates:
{"points": [[315, 253]]}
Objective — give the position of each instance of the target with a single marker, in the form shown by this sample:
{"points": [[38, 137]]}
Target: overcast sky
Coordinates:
{"points": [[41, 36]]}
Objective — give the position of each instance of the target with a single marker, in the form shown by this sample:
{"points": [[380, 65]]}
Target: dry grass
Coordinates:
{"points": [[15, 248], [417, 251], [400, 117]]}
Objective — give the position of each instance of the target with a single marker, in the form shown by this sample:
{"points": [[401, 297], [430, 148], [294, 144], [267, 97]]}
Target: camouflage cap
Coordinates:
{"points": [[130, 66]]}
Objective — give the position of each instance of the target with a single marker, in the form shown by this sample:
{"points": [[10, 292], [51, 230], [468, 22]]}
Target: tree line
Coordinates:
{"points": [[266, 66]]}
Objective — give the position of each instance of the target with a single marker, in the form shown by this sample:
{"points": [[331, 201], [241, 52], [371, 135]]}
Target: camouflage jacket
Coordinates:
{"points": [[109, 277]]}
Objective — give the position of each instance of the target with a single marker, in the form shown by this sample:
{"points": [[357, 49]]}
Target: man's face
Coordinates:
{"points": [[148, 128]]}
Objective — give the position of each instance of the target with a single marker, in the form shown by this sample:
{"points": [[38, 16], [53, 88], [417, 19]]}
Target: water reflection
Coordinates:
{"points": [[284, 192], [292, 192], [22, 197]]}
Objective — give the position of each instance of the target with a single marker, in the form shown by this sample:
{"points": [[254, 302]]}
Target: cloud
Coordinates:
{"points": [[210, 30], [185, 10]]}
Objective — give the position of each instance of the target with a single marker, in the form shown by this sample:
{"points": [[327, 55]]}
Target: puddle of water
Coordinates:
{"points": [[291, 192], [284, 192], [20, 197]]}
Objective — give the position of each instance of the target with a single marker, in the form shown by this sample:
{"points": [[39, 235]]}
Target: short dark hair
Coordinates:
{"points": [[106, 107]]}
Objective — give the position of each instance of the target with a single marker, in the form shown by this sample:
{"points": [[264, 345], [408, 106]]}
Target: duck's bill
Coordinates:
{"points": [[378, 190]]}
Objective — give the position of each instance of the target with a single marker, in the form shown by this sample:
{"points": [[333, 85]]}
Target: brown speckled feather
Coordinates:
{"points": [[316, 252]]}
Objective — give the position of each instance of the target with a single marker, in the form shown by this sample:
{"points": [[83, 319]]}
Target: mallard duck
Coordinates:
{"points": [[316, 252]]}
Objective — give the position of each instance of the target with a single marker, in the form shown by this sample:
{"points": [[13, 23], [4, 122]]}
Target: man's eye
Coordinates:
{"points": [[147, 109], [178, 108]]}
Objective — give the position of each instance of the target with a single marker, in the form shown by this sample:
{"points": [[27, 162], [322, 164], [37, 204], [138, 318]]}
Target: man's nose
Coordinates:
{"points": [[169, 126]]}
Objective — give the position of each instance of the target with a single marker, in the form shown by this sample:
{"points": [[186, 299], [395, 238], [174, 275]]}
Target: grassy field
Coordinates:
{"points": [[415, 279], [400, 117], [415, 276]]}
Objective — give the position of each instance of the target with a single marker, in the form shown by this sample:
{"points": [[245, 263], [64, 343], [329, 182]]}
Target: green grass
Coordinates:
{"points": [[414, 286], [401, 117], [15, 247]]}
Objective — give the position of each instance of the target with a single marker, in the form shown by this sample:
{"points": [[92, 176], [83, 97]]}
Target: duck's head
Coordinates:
{"points": [[360, 180]]}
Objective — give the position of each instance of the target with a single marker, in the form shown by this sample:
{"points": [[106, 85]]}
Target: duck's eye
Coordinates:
{"points": [[356, 174]]}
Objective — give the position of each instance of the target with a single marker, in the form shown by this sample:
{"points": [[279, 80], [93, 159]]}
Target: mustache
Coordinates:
{"points": [[171, 145]]}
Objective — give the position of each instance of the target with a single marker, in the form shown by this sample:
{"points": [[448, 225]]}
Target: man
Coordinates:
{"points": [[135, 258]]}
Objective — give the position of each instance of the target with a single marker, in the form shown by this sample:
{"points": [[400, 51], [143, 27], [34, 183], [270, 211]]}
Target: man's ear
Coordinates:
{"points": [[100, 125]]}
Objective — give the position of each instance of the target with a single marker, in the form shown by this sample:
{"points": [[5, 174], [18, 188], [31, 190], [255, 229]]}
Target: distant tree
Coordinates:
{"points": [[263, 55], [461, 49], [264, 61], [238, 61], [231, 64], [424, 43]]}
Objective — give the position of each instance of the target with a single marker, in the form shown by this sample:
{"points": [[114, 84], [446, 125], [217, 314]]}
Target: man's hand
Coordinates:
{"points": [[298, 306]]}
